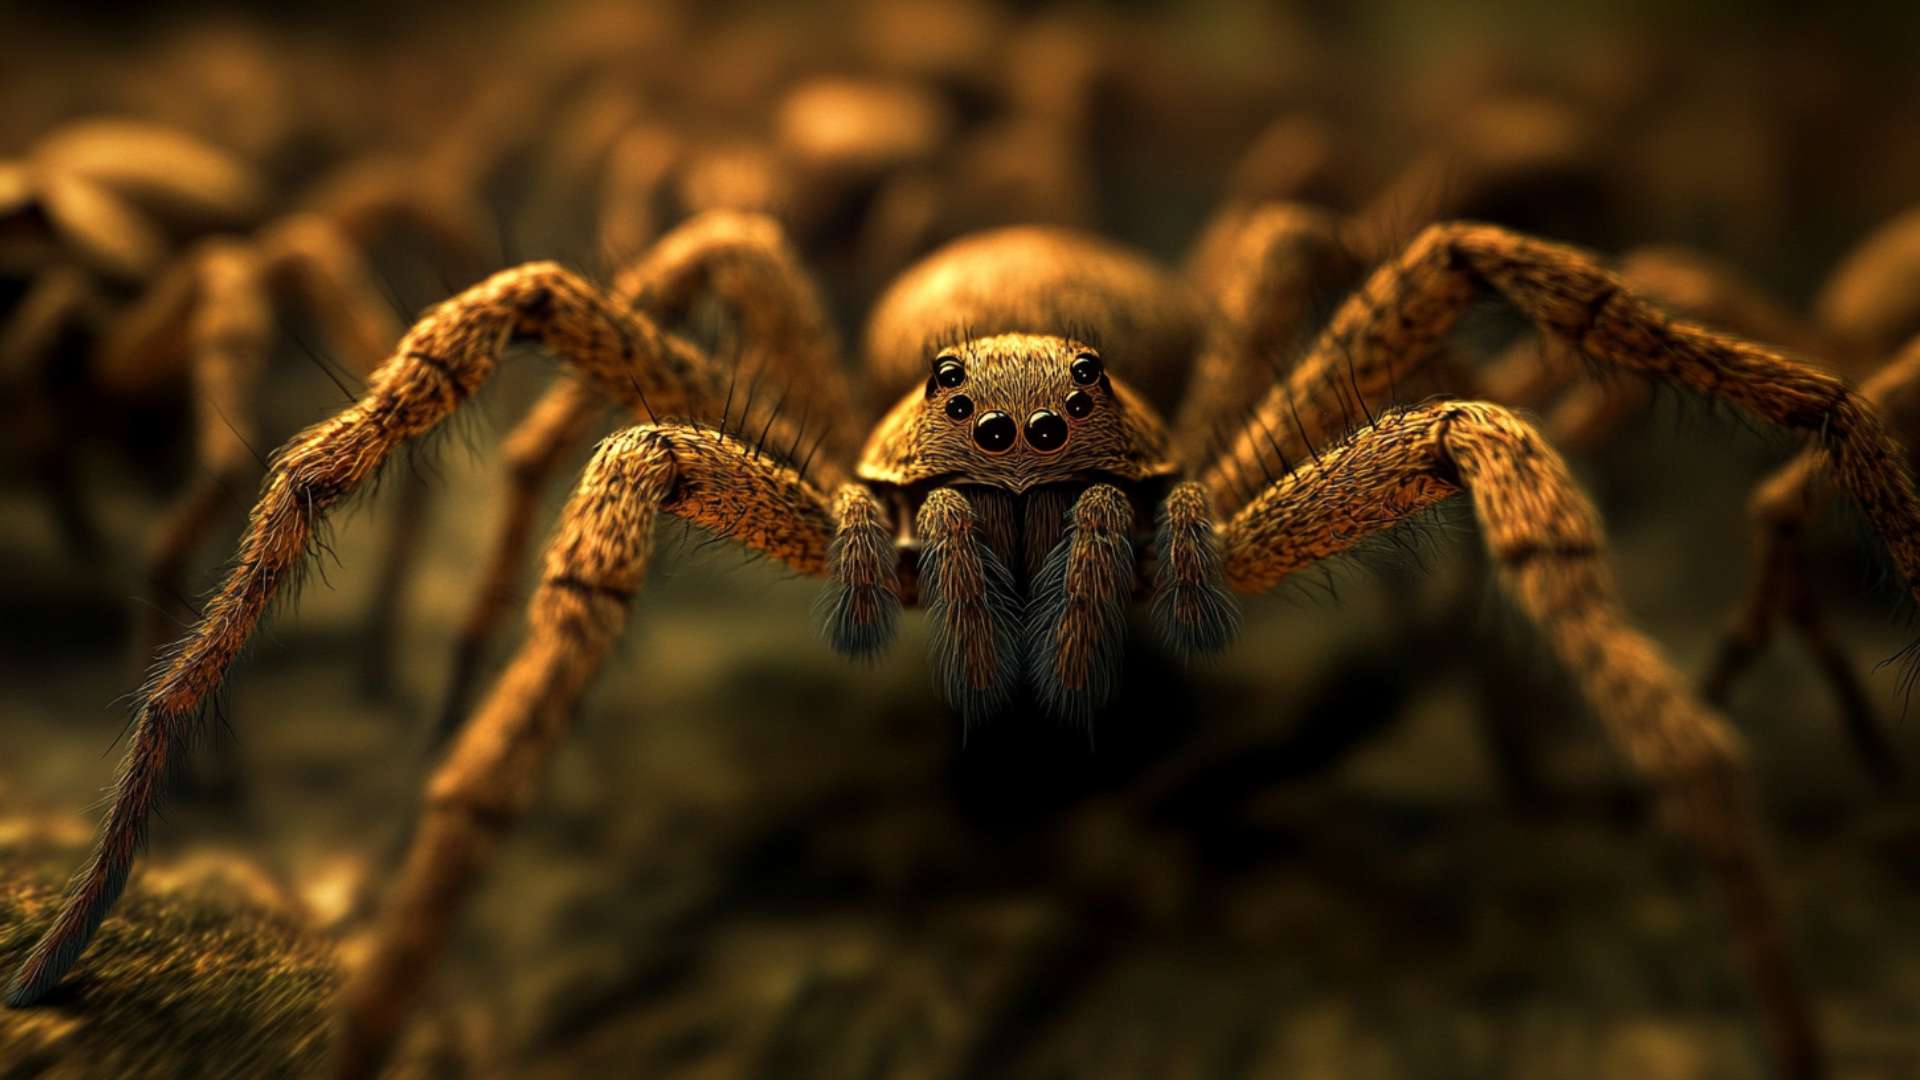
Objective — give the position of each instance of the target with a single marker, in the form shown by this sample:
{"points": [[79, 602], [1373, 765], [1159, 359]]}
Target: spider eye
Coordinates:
{"points": [[959, 407], [948, 372], [1079, 404], [1046, 432], [1086, 369], [995, 432]]}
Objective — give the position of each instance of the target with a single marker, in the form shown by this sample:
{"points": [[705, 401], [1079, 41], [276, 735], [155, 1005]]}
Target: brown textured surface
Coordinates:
{"points": [[211, 969]]}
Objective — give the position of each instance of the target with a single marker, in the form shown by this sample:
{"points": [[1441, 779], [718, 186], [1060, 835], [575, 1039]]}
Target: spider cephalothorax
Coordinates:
{"points": [[1020, 455], [1008, 493], [1015, 411]]}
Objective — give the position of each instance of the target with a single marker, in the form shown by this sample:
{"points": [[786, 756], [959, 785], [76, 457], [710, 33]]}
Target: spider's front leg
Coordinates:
{"points": [[595, 562], [1545, 541], [972, 602], [441, 362], [1077, 608]]}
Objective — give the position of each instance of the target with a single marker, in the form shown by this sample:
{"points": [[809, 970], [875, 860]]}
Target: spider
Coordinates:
{"points": [[1021, 488], [1301, 254]]}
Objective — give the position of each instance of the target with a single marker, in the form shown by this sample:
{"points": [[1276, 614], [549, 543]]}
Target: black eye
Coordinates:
{"points": [[1086, 369], [1046, 432], [948, 372], [959, 407], [994, 432], [1079, 404]]}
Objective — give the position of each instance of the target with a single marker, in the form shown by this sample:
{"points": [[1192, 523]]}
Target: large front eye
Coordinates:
{"points": [[995, 432], [1046, 432], [1086, 369], [948, 372]]}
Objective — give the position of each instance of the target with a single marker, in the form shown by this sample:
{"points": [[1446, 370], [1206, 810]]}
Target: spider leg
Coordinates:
{"points": [[1077, 606], [399, 557], [1545, 540], [861, 609], [376, 198], [595, 562], [1398, 320], [1681, 281], [440, 363], [1192, 608], [1782, 508], [536, 446], [1870, 298], [228, 333], [228, 325], [307, 257], [1267, 269], [744, 261], [632, 188], [972, 603]]}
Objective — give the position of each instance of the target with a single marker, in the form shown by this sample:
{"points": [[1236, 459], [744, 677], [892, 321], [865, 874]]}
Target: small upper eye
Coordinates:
{"points": [[959, 407], [948, 372], [1086, 369], [1079, 404]]}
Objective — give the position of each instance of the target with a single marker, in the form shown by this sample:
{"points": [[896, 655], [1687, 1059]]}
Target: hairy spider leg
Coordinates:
{"points": [[1545, 539], [440, 363], [786, 342], [595, 562]]}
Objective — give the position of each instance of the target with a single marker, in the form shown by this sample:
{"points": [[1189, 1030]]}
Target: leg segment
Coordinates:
{"points": [[533, 450], [1546, 543], [400, 554], [1269, 269], [595, 562], [228, 335], [1684, 283], [743, 260], [1192, 608], [1399, 319], [1870, 298], [862, 607], [440, 363], [972, 605], [1077, 606], [1783, 507], [308, 257]]}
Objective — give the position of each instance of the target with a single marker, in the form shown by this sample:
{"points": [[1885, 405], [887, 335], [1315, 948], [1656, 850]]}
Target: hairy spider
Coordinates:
{"points": [[1266, 262], [1021, 488]]}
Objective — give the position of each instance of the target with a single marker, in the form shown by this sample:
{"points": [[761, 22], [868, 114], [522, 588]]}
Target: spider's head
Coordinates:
{"points": [[1015, 411]]}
